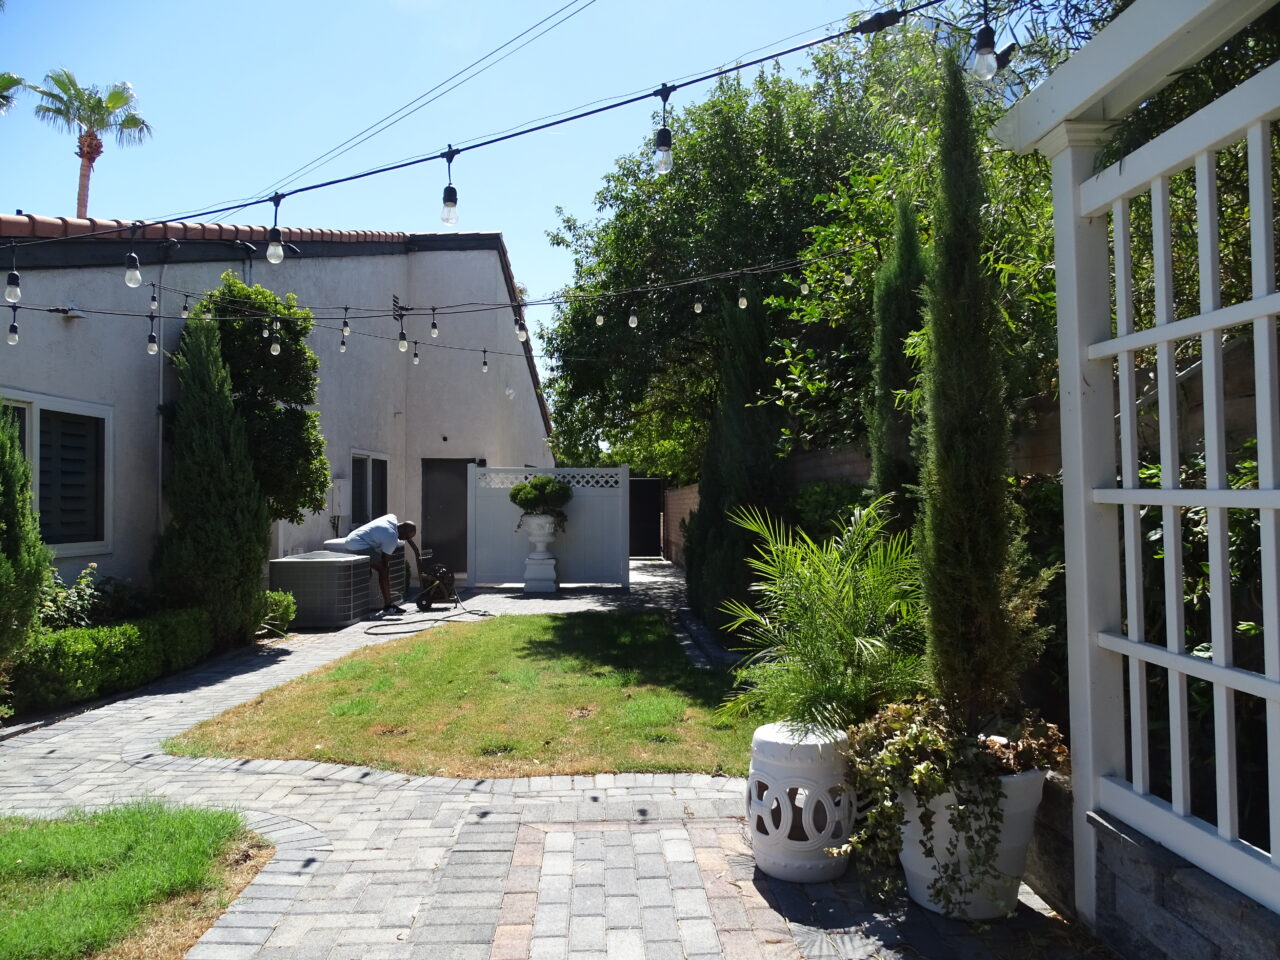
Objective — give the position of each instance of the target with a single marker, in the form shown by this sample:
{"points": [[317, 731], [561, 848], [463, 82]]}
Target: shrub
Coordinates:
{"points": [[824, 506], [24, 559], [62, 667], [542, 495], [276, 610], [63, 606]]}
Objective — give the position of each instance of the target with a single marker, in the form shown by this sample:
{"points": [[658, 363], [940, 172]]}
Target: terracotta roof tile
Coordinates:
{"points": [[31, 225]]}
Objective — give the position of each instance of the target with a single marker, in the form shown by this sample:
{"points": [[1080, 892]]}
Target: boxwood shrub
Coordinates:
{"points": [[61, 667]]}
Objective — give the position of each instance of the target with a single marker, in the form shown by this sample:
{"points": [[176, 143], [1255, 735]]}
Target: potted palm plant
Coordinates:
{"points": [[541, 500], [957, 778], [835, 631]]}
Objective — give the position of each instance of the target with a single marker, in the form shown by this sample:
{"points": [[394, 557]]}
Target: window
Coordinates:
{"points": [[368, 487], [67, 444]]}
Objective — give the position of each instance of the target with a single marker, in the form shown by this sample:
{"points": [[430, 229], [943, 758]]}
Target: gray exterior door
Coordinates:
{"points": [[444, 511]]}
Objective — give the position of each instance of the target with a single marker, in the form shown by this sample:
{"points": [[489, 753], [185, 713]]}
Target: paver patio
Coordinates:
{"points": [[383, 866]]}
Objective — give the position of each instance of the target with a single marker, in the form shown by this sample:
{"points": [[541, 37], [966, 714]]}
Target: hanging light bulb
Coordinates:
{"points": [[275, 344], [186, 311], [13, 328], [484, 361], [435, 331], [13, 288], [155, 303], [449, 211], [404, 342], [522, 332], [634, 319], [415, 353], [848, 279], [346, 327], [984, 53], [742, 298], [697, 303], [599, 318], [132, 271], [275, 248], [342, 345], [153, 342], [266, 328], [662, 140], [804, 287]]}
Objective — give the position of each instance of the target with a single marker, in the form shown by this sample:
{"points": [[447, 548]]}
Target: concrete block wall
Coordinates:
{"points": [[677, 504]]}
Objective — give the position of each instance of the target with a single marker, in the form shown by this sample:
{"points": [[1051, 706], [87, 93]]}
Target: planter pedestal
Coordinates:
{"points": [[1021, 799], [797, 806], [540, 566]]}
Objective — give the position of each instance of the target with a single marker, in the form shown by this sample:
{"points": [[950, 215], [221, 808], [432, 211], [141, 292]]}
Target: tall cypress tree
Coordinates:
{"points": [[213, 549], [964, 537], [739, 466], [24, 559], [899, 306]]}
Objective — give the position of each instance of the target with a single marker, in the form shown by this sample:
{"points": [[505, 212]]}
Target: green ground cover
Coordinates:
{"points": [[507, 697]]}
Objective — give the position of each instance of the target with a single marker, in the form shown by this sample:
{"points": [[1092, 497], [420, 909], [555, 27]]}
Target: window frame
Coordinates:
{"points": [[368, 456], [33, 404]]}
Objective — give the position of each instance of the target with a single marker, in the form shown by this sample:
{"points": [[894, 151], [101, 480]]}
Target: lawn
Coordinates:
{"points": [[508, 697], [141, 880]]}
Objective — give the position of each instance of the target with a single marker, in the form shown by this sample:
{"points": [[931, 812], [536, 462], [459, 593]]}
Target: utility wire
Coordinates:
{"points": [[872, 24]]}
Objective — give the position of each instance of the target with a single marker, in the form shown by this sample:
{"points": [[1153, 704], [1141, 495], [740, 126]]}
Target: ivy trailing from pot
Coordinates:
{"points": [[909, 764], [542, 496]]}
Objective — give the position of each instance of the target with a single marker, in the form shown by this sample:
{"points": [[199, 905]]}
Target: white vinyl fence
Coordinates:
{"points": [[1140, 690], [593, 548]]}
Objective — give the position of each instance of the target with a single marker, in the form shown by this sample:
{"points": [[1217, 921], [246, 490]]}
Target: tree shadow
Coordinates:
{"points": [[638, 644]]}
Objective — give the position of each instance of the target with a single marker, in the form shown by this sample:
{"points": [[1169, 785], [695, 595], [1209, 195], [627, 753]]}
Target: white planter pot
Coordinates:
{"points": [[997, 898], [797, 806], [541, 530]]}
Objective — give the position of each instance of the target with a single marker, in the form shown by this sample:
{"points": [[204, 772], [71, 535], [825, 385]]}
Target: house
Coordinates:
{"points": [[399, 435]]}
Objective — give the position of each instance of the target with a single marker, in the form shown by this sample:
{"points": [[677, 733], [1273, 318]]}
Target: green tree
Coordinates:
{"points": [[24, 559], [272, 392], [9, 86], [214, 546], [898, 308], [977, 652], [89, 113]]}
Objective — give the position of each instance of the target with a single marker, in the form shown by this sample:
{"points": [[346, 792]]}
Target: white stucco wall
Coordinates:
{"points": [[372, 398]]}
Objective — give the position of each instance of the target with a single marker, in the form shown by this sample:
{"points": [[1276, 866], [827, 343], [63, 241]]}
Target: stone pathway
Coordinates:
{"points": [[373, 865]]}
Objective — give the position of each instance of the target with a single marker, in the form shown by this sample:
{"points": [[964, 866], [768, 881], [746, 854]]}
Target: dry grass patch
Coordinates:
{"points": [[512, 696]]}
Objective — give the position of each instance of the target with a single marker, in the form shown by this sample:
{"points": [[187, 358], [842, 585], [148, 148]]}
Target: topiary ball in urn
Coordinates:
{"points": [[542, 496]]}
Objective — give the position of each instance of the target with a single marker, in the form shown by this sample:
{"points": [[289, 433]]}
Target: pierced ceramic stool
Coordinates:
{"points": [[797, 806]]}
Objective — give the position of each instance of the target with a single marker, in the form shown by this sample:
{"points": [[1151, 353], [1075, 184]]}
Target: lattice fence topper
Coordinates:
{"points": [[579, 479]]}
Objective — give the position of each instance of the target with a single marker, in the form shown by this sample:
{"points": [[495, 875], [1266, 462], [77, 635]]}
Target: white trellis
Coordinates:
{"points": [[593, 548], [1112, 651]]}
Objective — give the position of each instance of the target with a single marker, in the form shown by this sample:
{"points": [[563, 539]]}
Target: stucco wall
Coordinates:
{"points": [[371, 398]]}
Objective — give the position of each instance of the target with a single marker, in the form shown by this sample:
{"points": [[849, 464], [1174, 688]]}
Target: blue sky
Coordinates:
{"points": [[241, 93]]}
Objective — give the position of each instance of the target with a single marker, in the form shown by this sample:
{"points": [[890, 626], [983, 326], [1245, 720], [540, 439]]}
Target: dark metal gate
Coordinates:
{"points": [[646, 517]]}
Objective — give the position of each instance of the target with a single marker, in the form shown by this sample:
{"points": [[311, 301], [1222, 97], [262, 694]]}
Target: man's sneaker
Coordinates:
{"points": [[392, 609]]}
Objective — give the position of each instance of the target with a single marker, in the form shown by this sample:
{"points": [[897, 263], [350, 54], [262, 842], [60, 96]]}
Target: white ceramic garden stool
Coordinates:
{"points": [[797, 805]]}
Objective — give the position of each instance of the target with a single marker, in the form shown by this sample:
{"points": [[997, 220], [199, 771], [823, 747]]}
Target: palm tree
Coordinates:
{"points": [[8, 84], [88, 113]]}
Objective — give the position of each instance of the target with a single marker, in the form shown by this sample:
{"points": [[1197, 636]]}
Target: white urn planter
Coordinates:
{"points": [[998, 897], [797, 804], [540, 566]]}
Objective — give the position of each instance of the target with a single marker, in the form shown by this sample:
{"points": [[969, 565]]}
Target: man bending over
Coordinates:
{"points": [[377, 540]]}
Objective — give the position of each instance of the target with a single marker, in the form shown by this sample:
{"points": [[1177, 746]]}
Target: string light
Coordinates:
{"points": [[13, 286], [13, 327], [275, 248], [435, 331], [346, 326], [662, 140], [155, 301], [804, 287], [742, 298], [697, 303], [132, 271], [404, 342], [275, 339], [599, 318], [415, 353], [633, 320], [266, 328], [985, 62], [153, 342], [186, 311], [484, 361], [449, 211], [848, 279], [342, 344]]}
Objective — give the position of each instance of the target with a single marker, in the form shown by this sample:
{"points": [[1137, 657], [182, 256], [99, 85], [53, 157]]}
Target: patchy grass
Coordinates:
{"points": [[142, 880], [508, 697]]}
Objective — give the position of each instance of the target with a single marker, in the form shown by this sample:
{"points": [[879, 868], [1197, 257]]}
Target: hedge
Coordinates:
{"points": [[68, 666]]}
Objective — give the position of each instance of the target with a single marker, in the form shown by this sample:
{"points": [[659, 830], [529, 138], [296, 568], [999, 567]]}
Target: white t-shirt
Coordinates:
{"points": [[381, 534]]}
